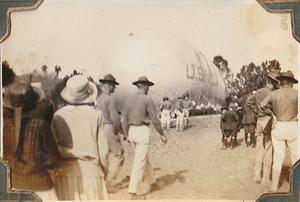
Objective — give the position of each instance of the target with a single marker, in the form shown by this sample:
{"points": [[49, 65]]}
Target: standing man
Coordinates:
{"points": [[136, 126], [264, 148], [165, 108], [187, 106], [179, 114], [112, 126], [284, 106]]}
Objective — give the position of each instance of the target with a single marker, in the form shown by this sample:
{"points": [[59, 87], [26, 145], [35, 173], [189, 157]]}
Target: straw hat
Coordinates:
{"points": [[287, 76], [79, 90], [109, 78], [143, 80]]}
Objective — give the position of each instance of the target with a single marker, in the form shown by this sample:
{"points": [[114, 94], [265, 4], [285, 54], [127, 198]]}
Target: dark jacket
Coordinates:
{"points": [[229, 120]]}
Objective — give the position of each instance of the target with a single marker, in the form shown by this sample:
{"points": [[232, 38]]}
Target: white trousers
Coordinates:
{"points": [[284, 135], [179, 120], [141, 175], [166, 118]]}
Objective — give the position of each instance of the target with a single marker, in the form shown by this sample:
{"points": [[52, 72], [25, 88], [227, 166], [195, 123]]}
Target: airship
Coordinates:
{"points": [[175, 67]]}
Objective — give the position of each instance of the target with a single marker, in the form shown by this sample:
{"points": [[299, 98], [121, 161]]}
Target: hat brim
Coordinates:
{"points": [[148, 83], [283, 77], [272, 77], [69, 98], [108, 81]]}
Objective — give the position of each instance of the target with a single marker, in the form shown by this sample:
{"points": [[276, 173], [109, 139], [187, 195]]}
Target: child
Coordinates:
{"points": [[229, 125], [249, 123]]}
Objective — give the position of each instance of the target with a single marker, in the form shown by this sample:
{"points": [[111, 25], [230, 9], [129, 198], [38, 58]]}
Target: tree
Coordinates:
{"points": [[252, 77], [57, 69], [226, 73]]}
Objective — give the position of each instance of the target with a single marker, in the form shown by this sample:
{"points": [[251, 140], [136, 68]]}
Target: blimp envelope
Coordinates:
{"points": [[175, 67]]}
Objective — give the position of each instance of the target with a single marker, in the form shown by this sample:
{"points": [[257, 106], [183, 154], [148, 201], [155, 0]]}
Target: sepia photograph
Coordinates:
{"points": [[150, 100]]}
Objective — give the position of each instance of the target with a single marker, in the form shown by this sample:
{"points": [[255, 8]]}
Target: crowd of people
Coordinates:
{"points": [[269, 118], [75, 152], [181, 112]]}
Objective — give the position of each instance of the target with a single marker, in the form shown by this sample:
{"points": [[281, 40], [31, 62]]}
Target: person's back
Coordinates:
{"points": [[76, 128], [230, 120], [166, 105], [178, 105], [285, 103]]}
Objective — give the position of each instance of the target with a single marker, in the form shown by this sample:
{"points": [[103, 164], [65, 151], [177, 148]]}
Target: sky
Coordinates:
{"points": [[96, 35]]}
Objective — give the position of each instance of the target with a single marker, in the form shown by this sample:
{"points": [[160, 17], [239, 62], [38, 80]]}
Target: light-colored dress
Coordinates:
{"points": [[82, 145]]}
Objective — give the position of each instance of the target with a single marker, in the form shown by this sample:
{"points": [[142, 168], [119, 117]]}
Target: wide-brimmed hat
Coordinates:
{"points": [[143, 80], [287, 76], [109, 78], [37, 87], [21, 93], [273, 76], [79, 90]]}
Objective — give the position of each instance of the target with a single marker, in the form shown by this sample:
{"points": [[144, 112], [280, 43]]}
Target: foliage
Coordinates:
{"points": [[250, 78]]}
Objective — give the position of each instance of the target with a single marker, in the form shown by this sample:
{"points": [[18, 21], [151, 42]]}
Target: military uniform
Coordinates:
{"points": [[111, 127], [264, 149], [136, 123], [186, 107], [179, 115], [284, 102], [165, 108]]}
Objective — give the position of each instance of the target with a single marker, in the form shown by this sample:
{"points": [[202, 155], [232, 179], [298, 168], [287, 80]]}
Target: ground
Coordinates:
{"points": [[192, 166]]}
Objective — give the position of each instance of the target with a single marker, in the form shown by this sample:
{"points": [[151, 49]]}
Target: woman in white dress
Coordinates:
{"points": [[77, 131]]}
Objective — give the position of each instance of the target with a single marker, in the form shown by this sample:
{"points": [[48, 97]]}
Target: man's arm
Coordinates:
{"points": [[125, 125], [114, 116], [153, 116], [266, 105]]}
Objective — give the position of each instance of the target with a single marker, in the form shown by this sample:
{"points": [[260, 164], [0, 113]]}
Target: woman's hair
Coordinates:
{"points": [[8, 75], [22, 95]]}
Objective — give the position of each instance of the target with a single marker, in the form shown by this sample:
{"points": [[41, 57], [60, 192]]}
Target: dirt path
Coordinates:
{"points": [[192, 166]]}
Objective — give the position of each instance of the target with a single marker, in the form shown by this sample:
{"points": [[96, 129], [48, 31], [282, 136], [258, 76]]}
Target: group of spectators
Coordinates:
{"points": [[75, 152], [269, 117], [181, 112]]}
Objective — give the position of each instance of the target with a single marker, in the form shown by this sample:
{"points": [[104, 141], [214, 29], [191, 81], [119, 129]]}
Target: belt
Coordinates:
{"points": [[140, 124], [293, 120]]}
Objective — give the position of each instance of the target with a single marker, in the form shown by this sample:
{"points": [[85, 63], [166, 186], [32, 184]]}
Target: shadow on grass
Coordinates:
{"points": [[161, 182], [167, 180]]}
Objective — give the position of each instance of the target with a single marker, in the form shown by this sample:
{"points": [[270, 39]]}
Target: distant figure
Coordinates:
{"points": [[187, 106], [112, 126], [239, 111], [165, 108], [229, 125], [179, 114], [249, 124], [31, 151], [137, 115], [78, 131], [284, 107], [264, 149]]}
